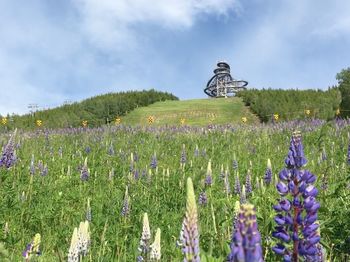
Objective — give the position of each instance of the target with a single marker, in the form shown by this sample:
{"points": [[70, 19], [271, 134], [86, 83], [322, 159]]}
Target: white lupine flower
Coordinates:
{"points": [[155, 247], [84, 237], [73, 254], [80, 242], [146, 234]]}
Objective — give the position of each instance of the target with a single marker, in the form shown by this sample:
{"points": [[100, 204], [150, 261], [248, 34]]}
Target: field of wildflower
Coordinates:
{"points": [[276, 192]]}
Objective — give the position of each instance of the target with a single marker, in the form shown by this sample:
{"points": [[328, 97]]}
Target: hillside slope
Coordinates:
{"points": [[95, 111], [193, 112]]}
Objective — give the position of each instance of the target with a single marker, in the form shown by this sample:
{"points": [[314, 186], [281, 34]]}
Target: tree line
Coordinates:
{"points": [[97, 110], [292, 104]]}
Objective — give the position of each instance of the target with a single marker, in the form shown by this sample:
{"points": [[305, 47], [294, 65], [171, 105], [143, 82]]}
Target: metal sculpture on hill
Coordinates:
{"points": [[222, 83]]}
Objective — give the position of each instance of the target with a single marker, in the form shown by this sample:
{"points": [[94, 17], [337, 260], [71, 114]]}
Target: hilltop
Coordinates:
{"points": [[192, 112]]}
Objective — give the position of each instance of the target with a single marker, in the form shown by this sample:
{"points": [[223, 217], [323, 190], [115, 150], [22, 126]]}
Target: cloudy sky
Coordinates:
{"points": [[52, 51]]}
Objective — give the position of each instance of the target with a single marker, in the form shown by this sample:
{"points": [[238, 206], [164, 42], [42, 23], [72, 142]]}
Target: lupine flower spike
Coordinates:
{"points": [[84, 172], [190, 234], [125, 208], [237, 187], [235, 219], [268, 173], [8, 156], [246, 239], [84, 237], [73, 253], [33, 248], [154, 161], [296, 218], [208, 179], [80, 242], [145, 237], [155, 247], [248, 183], [203, 199]]}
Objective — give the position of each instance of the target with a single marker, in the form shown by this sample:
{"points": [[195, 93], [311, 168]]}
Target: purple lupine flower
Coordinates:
{"points": [[87, 149], [268, 173], [44, 170], [125, 208], [246, 240], [235, 164], [111, 150], [27, 251], [349, 154], [237, 188], [248, 183], [136, 157], [320, 255], [324, 182], [203, 199], [208, 180], [295, 157], [84, 172], [296, 218], [33, 248], [190, 225], [154, 162], [40, 165], [136, 174]]}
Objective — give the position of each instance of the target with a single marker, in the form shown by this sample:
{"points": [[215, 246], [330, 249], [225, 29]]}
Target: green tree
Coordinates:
{"points": [[344, 86]]}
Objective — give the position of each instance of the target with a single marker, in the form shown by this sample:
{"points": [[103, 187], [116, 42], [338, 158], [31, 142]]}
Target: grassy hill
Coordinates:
{"points": [[94, 111], [194, 112]]}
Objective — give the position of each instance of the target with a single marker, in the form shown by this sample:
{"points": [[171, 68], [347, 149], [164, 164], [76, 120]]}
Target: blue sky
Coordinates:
{"points": [[52, 51]]}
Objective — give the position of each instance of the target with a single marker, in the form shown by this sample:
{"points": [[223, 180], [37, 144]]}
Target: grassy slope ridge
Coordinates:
{"points": [[195, 112], [97, 110]]}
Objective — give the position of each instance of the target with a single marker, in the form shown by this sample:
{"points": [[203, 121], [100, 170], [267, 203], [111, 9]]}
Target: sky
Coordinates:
{"points": [[55, 51]]}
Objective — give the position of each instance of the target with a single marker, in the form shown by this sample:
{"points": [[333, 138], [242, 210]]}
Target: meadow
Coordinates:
{"points": [[62, 177]]}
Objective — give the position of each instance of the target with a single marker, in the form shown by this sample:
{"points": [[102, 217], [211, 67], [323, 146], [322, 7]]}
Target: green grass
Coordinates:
{"points": [[54, 204], [195, 112]]}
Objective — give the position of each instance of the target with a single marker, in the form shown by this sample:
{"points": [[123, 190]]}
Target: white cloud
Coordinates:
{"points": [[293, 44], [48, 55], [113, 24]]}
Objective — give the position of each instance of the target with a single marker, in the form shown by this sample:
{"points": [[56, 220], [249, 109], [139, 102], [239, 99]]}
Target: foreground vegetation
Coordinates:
{"points": [[88, 170]]}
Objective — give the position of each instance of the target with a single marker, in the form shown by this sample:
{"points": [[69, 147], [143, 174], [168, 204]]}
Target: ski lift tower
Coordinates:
{"points": [[222, 84]]}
